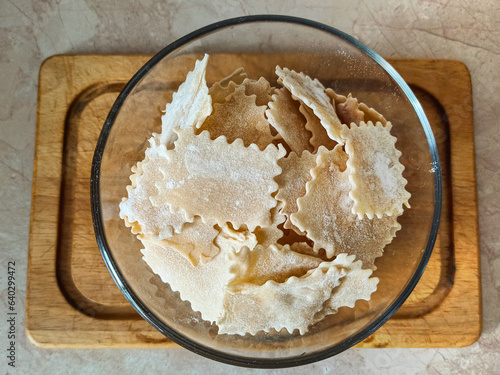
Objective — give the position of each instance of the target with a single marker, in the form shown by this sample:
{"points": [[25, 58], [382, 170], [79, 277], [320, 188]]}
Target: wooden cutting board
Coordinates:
{"points": [[72, 301]]}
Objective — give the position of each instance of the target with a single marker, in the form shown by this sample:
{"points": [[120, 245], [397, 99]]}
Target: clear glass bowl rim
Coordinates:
{"points": [[142, 309]]}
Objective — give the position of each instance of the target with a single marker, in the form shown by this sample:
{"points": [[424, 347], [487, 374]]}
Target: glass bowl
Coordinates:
{"points": [[258, 44]]}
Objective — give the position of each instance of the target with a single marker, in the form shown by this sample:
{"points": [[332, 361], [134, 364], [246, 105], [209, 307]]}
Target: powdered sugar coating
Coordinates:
{"points": [[220, 181], [195, 242], [313, 124], [239, 117], [292, 181], [190, 105], [284, 116], [375, 173], [312, 94], [158, 221], [349, 112], [262, 264], [354, 286], [325, 213], [220, 90], [203, 286], [266, 236], [291, 305], [352, 111]]}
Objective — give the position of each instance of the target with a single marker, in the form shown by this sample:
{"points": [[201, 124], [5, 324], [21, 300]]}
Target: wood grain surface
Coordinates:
{"points": [[72, 301]]}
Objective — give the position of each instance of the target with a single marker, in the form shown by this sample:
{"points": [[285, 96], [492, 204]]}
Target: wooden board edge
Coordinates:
{"points": [[470, 218], [32, 238], [96, 340]]}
